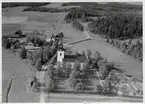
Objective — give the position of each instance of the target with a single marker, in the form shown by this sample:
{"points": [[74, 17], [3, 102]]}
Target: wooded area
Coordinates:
{"points": [[117, 26]]}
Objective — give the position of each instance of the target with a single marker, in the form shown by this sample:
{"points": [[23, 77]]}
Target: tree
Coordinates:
{"points": [[113, 77], [53, 59], [72, 79], [23, 53], [99, 89], [89, 53], [108, 88], [73, 83], [97, 56], [49, 73], [102, 62], [104, 72], [38, 55], [57, 71], [77, 65], [7, 44], [68, 69], [48, 78], [79, 86], [86, 69], [38, 64], [78, 25]]}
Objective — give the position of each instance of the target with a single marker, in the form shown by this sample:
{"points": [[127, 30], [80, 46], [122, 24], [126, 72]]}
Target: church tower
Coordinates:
{"points": [[60, 54]]}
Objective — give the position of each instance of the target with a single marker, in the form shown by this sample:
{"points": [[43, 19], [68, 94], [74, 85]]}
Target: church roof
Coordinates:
{"points": [[73, 58]]}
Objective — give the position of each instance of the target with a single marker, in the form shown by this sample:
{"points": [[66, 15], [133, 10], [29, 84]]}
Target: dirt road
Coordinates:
{"points": [[57, 97]]}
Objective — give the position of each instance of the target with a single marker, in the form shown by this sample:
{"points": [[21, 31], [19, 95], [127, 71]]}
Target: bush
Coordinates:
{"points": [[38, 64], [23, 53], [89, 54], [7, 44], [79, 86], [77, 65], [99, 89], [97, 56]]}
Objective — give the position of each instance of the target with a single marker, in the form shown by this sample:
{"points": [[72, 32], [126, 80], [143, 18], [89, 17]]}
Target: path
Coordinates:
{"points": [[57, 97], [85, 39]]}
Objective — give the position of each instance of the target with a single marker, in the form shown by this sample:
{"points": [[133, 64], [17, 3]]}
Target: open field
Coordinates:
{"points": [[13, 64], [58, 5]]}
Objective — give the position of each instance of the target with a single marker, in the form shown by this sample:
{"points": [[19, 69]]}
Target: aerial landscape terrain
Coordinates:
{"points": [[72, 52]]}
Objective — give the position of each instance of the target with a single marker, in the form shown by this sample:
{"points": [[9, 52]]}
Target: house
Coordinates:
{"points": [[50, 39], [44, 68], [67, 58], [30, 46]]}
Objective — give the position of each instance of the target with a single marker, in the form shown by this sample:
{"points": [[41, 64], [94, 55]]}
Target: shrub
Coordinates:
{"points": [[99, 89], [7, 44], [89, 53], [38, 64], [77, 65], [79, 86], [97, 56], [73, 83], [23, 53]]}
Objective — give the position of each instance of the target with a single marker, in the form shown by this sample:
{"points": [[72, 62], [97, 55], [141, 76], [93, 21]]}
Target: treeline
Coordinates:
{"points": [[44, 9], [75, 13], [117, 26], [113, 6], [15, 4], [83, 14], [99, 10], [134, 50], [78, 25], [86, 19]]}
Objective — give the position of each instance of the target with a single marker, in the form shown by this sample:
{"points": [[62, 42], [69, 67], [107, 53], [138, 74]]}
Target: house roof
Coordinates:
{"points": [[73, 58]]}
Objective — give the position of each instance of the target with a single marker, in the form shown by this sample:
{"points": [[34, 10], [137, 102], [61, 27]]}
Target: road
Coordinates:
{"points": [[85, 39], [56, 97]]}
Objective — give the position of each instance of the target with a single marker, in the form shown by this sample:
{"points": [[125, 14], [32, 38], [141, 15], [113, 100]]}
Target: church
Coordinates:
{"points": [[62, 56]]}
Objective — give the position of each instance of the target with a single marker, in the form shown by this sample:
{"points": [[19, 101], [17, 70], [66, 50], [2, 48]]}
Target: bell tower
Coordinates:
{"points": [[60, 57]]}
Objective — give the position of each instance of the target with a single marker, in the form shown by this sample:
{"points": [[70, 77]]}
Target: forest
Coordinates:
{"points": [[96, 9], [44, 9], [15, 4], [114, 6], [117, 26]]}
